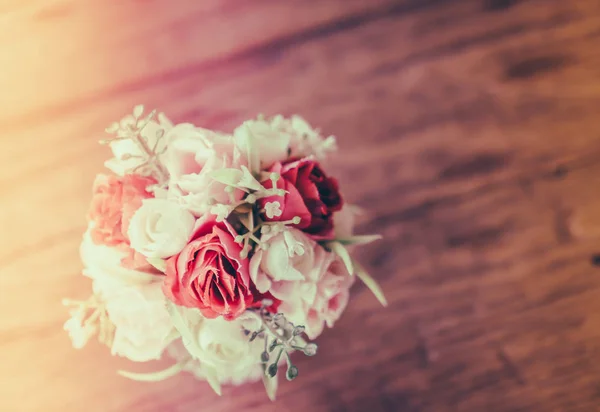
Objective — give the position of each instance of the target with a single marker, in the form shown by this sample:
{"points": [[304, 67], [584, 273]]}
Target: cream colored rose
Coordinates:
{"points": [[133, 300], [220, 350], [143, 327], [160, 228], [101, 261], [264, 143], [290, 266]]}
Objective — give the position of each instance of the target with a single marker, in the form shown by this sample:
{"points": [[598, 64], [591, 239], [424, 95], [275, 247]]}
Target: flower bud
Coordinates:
{"points": [[272, 370], [310, 349], [292, 373]]}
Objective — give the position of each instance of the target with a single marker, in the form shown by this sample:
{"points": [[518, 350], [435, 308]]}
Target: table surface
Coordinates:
{"points": [[468, 130]]}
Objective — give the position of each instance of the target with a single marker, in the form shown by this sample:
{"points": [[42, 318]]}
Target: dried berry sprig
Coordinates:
{"points": [[281, 337]]}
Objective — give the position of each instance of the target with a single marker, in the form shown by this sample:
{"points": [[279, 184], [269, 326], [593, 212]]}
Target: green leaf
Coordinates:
{"points": [[359, 240], [213, 381], [248, 180], [341, 251], [229, 176], [154, 376], [182, 327], [174, 334], [159, 264], [370, 283], [253, 155], [270, 384]]}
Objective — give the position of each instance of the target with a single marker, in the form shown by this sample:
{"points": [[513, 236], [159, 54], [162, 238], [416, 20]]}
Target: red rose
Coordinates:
{"points": [[209, 273], [114, 202], [312, 196]]}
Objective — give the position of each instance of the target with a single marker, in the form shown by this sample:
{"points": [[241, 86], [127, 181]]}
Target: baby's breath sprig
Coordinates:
{"points": [[130, 128], [281, 337]]}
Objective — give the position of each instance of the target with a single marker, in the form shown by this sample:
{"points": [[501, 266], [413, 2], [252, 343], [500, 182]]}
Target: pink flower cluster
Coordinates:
{"points": [[221, 223]]}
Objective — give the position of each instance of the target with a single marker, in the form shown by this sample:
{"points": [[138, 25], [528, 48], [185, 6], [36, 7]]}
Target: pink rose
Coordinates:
{"points": [[312, 196], [115, 200], [209, 273]]}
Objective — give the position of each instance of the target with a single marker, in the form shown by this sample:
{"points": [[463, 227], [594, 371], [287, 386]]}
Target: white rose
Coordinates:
{"points": [[160, 228], [188, 148], [134, 303], [265, 143], [143, 327], [220, 349], [101, 261]]}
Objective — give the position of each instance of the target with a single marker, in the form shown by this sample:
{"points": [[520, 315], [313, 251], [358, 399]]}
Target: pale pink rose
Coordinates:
{"points": [[192, 155], [333, 292], [290, 266], [160, 228], [312, 284]]}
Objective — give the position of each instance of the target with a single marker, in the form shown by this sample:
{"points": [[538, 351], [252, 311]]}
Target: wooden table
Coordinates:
{"points": [[468, 128]]}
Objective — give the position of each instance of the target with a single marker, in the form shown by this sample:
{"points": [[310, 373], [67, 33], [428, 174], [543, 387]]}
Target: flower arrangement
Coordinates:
{"points": [[225, 252]]}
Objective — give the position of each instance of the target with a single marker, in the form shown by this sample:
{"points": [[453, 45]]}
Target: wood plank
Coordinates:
{"points": [[68, 50], [467, 129]]}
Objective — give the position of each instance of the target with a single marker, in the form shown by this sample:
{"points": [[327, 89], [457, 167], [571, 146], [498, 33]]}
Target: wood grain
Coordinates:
{"points": [[467, 129]]}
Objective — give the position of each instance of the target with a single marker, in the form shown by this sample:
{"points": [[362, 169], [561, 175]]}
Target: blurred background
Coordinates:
{"points": [[468, 129]]}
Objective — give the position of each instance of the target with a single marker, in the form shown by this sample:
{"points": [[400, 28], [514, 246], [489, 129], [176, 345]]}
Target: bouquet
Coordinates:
{"points": [[226, 253]]}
